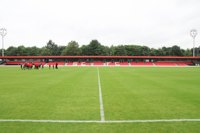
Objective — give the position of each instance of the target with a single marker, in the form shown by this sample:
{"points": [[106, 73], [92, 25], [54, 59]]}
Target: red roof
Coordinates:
{"points": [[99, 57]]}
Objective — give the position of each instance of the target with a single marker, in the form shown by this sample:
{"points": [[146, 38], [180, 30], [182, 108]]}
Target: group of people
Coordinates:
{"points": [[54, 65], [31, 65]]}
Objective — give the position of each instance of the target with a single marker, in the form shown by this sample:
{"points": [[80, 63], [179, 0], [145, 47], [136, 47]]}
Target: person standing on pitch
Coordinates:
{"points": [[56, 65], [42, 65], [21, 65]]}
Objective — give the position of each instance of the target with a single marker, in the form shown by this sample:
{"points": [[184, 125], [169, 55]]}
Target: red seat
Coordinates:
{"points": [[141, 63], [69, 63], [111, 63], [98, 63], [123, 63]]}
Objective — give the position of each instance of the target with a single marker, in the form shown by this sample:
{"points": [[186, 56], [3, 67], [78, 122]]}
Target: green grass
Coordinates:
{"points": [[71, 93], [151, 93], [181, 127], [49, 94]]}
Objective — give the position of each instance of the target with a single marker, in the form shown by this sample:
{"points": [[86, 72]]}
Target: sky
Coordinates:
{"points": [[154, 23]]}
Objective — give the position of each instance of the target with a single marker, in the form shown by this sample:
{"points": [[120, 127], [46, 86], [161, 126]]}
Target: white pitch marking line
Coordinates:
{"points": [[49, 121], [153, 121], [100, 97], [99, 121]]}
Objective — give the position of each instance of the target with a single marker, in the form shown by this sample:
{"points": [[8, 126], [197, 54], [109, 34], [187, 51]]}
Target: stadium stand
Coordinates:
{"points": [[184, 63], [22, 62], [142, 63], [60, 63], [104, 60], [77, 63], [173, 63], [86, 64], [13, 62], [69, 63], [165, 63], [53, 63], [123, 63], [36, 62], [111, 63], [98, 63]]}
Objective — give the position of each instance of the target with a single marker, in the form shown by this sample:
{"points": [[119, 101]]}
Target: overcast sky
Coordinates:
{"points": [[154, 23]]}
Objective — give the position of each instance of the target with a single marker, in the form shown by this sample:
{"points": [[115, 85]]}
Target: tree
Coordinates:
{"points": [[187, 52], [165, 51], [44, 51], [60, 49], [153, 52], [120, 50], [95, 48], [11, 51], [33, 51], [145, 50], [84, 50], [198, 51], [130, 50], [105, 50], [52, 48], [134, 50], [21, 51], [72, 49], [111, 50], [176, 51]]}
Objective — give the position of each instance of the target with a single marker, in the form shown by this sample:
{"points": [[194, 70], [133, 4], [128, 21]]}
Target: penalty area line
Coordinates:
{"points": [[100, 121]]}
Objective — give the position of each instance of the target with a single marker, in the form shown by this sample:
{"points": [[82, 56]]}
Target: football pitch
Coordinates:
{"points": [[100, 99]]}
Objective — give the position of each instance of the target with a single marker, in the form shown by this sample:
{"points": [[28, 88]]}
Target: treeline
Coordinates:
{"points": [[96, 49]]}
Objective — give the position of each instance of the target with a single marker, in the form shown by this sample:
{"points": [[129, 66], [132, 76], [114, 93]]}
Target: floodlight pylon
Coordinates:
{"points": [[193, 34], [3, 33]]}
